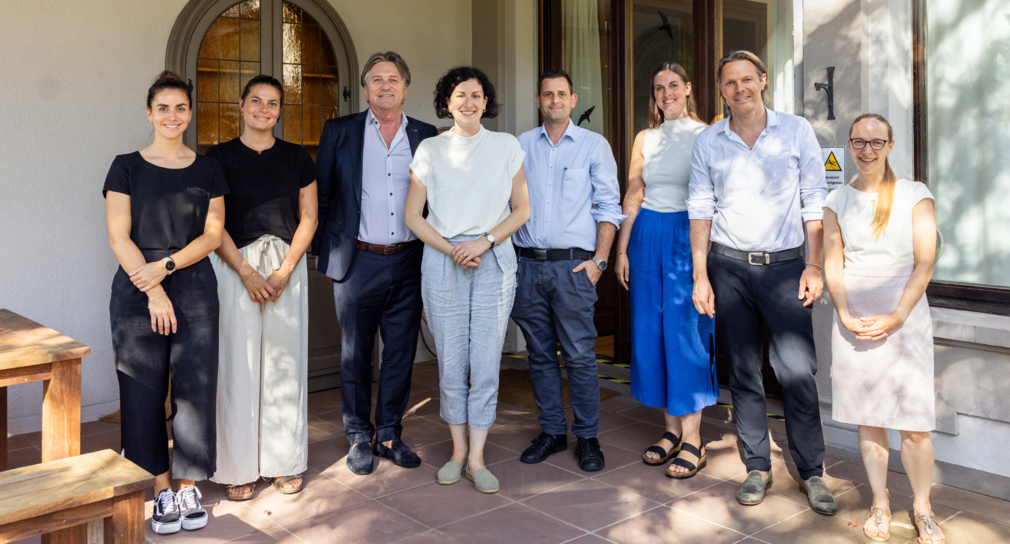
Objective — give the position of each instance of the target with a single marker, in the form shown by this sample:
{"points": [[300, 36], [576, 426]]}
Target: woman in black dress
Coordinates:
{"points": [[165, 213]]}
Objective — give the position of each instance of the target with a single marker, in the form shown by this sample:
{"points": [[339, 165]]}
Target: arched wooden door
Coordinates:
{"points": [[220, 45]]}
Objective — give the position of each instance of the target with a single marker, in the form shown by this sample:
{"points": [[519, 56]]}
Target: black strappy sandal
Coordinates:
{"points": [[664, 456], [692, 469]]}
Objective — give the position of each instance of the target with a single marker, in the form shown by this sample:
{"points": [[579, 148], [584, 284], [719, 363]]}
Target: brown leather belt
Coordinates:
{"points": [[386, 250]]}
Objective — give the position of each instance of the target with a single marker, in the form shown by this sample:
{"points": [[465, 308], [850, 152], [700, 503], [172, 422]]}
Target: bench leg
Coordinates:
{"points": [[126, 525], [77, 534], [3, 429]]}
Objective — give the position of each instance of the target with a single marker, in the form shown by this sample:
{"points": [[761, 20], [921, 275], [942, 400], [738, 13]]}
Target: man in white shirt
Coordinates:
{"points": [[756, 178]]}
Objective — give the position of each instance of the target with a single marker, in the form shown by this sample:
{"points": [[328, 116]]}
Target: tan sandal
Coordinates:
{"points": [[930, 528], [692, 468], [235, 493], [279, 482], [664, 455], [878, 514]]}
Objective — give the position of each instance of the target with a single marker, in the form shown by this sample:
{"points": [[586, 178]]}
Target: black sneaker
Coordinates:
{"points": [[166, 519], [193, 515], [543, 447], [590, 455]]}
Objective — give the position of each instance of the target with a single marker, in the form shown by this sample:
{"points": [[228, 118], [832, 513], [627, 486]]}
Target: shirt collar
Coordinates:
{"points": [[572, 132], [371, 120], [773, 120]]}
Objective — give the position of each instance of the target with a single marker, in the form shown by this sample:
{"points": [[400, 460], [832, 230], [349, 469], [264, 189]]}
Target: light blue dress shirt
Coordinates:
{"points": [[572, 187], [385, 177]]}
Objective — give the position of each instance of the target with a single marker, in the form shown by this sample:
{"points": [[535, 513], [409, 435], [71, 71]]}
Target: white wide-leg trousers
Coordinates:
{"points": [[262, 397]]}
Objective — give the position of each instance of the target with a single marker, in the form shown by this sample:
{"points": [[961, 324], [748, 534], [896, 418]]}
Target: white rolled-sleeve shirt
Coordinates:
{"points": [[758, 199]]}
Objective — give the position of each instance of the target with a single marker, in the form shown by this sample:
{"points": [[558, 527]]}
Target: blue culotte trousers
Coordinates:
{"points": [[672, 345]]}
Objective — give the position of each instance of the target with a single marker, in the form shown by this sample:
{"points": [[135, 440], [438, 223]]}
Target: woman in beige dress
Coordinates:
{"points": [[879, 244]]}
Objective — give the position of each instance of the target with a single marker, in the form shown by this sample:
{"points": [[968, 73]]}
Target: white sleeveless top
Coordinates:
{"points": [[855, 219], [667, 168]]}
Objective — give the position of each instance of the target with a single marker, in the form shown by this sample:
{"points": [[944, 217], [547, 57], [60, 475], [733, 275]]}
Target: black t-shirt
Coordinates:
{"points": [[168, 205], [264, 188]]}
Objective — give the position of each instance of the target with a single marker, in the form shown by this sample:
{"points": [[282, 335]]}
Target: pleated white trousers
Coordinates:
{"points": [[262, 396]]}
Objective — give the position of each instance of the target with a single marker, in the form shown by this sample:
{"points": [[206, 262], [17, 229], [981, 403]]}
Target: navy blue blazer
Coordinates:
{"points": [[339, 160]]}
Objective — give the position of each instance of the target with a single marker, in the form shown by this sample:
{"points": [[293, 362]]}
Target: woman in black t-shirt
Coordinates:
{"points": [[165, 213], [263, 288]]}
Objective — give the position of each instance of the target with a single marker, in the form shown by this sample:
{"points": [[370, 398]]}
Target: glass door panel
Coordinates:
{"points": [[662, 31], [585, 54], [765, 28], [311, 86], [229, 57]]}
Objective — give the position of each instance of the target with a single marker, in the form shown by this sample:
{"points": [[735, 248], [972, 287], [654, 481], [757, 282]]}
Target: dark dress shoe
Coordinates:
{"points": [[590, 455], [398, 453], [359, 459], [543, 447]]}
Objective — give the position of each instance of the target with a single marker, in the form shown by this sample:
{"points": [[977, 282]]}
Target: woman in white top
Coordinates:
{"points": [[879, 244], [468, 176], [671, 344]]}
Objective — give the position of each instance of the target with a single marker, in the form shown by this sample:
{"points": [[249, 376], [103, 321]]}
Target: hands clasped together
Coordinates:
{"points": [[265, 290]]}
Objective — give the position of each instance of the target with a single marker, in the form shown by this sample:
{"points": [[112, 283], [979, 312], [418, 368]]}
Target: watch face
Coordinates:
{"points": [[601, 264], [170, 265]]}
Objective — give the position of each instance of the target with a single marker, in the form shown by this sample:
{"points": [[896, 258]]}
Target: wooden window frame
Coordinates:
{"points": [[942, 294]]}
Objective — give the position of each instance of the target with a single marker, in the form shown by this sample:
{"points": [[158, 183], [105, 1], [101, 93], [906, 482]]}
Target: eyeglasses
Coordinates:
{"points": [[875, 144]]}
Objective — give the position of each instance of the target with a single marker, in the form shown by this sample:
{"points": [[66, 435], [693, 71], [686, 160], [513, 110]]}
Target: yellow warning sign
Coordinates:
{"points": [[831, 164]]}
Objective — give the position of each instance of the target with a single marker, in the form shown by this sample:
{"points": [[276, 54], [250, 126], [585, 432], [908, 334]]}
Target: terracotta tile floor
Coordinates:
{"points": [[553, 502]]}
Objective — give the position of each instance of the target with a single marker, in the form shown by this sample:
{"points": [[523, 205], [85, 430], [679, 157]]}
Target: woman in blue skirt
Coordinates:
{"points": [[672, 346]]}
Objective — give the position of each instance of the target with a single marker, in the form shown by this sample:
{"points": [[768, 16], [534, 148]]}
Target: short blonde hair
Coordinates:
{"points": [[388, 56], [749, 57]]}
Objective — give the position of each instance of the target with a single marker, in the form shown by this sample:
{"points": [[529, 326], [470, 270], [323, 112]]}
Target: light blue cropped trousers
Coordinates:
{"points": [[467, 313]]}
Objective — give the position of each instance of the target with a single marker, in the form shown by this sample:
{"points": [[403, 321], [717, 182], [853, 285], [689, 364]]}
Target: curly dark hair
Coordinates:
{"points": [[448, 83]]}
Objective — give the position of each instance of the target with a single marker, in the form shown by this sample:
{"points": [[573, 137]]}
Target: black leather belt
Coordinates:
{"points": [[555, 254], [758, 258], [386, 250]]}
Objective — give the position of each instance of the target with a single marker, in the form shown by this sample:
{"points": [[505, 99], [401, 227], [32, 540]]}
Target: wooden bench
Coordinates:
{"points": [[68, 494]]}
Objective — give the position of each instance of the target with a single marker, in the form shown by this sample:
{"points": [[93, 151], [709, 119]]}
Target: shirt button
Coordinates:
{"points": [[546, 220], [389, 174], [390, 194], [548, 201], [390, 214]]}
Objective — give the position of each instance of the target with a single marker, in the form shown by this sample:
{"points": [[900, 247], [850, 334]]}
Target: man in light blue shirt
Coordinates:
{"points": [[575, 211], [757, 182]]}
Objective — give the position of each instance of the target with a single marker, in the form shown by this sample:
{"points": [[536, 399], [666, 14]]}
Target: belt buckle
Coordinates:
{"points": [[759, 254], [540, 254], [391, 250]]}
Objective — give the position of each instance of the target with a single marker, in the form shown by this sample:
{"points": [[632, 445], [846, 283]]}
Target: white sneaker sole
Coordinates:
{"points": [[166, 528], [192, 524]]}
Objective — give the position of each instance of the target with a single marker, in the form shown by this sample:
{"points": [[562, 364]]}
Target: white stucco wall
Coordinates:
{"points": [[431, 35], [75, 75]]}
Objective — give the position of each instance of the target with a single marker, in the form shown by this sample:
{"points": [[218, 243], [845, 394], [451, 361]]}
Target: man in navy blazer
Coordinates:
{"points": [[372, 258]]}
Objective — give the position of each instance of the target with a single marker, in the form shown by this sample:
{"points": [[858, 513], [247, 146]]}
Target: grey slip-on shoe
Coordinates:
{"points": [[820, 497], [752, 490], [483, 480], [449, 473]]}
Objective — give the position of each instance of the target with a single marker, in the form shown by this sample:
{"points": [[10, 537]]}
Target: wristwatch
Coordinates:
{"points": [[169, 265], [600, 263], [490, 238]]}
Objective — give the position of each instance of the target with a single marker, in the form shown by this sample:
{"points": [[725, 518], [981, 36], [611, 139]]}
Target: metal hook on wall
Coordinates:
{"points": [[829, 88]]}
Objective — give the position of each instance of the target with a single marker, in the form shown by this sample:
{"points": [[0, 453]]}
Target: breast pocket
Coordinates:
{"points": [[575, 186]]}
